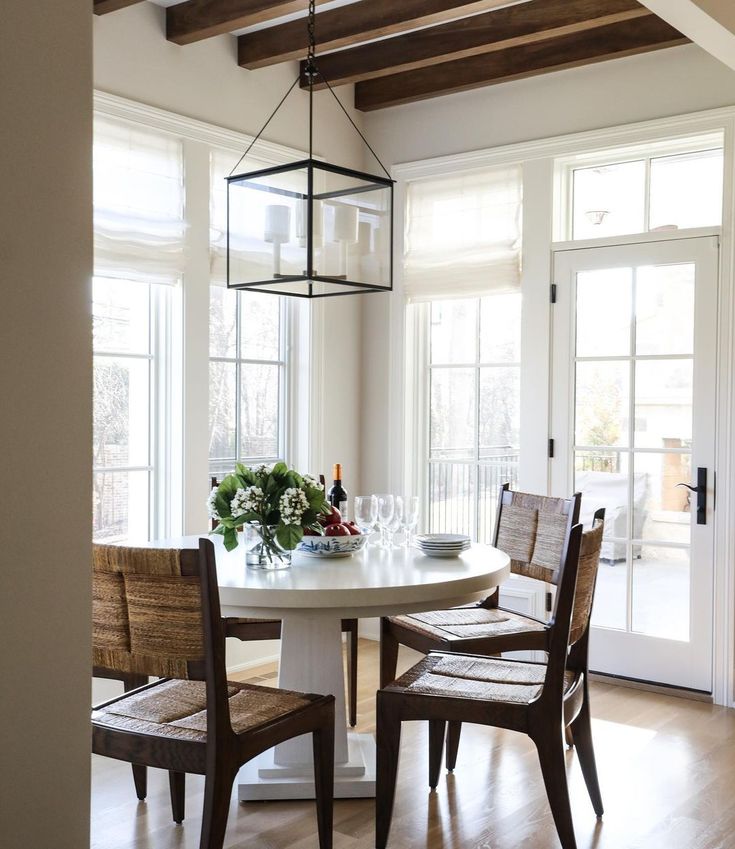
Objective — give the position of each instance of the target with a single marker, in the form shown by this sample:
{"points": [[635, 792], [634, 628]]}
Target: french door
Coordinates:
{"points": [[633, 418]]}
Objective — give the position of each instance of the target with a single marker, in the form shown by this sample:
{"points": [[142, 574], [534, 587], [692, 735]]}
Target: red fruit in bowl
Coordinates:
{"points": [[308, 532], [337, 530], [353, 529], [334, 517]]}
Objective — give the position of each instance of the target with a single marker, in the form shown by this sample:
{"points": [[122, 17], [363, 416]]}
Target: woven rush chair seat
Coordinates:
{"points": [[533, 531], [476, 677], [468, 622], [178, 709]]}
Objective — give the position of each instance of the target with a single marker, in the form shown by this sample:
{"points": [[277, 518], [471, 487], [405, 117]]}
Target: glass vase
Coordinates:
{"points": [[263, 550]]}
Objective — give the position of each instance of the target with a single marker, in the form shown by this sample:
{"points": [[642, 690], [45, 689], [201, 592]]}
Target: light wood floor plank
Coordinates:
{"points": [[666, 764]]}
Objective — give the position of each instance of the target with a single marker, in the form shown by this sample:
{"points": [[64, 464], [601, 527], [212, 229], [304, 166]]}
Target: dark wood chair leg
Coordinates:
{"points": [[140, 773], [582, 730], [568, 736], [352, 670], [217, 796], [140, 779], [388, 654], [323, 742], [388, 745], [177, 788], [453, 732], [437, 730], [551, 757]]}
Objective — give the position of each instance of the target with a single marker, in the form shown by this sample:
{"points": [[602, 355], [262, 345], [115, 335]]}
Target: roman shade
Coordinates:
{"points": [[138, 203], [463, 235]]}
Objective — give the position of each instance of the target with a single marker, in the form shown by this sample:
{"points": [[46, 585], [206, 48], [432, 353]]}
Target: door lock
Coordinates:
{"points": [[701, 490]]}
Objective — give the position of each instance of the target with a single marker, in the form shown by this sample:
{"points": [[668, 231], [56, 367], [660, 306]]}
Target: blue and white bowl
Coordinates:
{"points": [[324, 546]]}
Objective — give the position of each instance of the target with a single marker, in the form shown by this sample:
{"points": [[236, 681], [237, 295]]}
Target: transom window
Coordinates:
{"points": [[675, 185]]}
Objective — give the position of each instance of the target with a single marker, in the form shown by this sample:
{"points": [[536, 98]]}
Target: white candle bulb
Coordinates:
{"points": [[277, 223]]}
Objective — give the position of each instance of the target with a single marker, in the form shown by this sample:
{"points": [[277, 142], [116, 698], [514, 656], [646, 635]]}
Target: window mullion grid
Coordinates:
{"points": [[478, 311]]}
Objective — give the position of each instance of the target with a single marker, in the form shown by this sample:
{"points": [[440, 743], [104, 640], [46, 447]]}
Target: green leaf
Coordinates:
{"points": [[289, 536], [222, 504], [220, 529], [315, 498], [230, 535], [280, 469], [326, 508]]}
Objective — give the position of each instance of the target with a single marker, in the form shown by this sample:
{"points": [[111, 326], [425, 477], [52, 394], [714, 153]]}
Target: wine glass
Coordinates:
{"points": [[366, 513], [386, 506], [397, 520], [410, 517]]}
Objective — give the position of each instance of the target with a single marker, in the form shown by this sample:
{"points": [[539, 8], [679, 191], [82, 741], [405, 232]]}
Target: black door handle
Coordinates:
{"points": [[701, 490]]}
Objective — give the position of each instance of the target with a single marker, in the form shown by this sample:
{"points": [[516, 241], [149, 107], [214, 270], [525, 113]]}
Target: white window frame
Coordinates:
{"points": [[542, 207]]}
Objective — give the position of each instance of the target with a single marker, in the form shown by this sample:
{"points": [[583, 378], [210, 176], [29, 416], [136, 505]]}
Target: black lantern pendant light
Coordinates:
{"points": [[310, 229]]}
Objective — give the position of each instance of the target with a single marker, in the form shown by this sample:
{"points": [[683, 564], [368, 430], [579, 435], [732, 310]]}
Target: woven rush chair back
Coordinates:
{"points": [[589, 561], [147, 611], [533, 531]]}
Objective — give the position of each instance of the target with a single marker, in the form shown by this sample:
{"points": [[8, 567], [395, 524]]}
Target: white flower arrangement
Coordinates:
{"points": [[276, 501]]}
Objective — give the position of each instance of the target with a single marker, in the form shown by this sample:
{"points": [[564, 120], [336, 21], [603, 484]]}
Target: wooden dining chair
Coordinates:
{"points": [[163, 619], [270, 629], [537, 699], [533, 530]]}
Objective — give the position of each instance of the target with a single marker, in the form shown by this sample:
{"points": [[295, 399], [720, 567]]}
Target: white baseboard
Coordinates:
{"points": [[251, 664], [370, 629]]}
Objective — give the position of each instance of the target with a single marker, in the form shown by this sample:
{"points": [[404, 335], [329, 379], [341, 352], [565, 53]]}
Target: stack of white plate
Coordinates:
{"points": [[443, 545]]}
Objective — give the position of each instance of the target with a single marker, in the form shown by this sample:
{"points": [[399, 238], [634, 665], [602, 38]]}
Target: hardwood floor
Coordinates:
{"points": [[666, 766]]}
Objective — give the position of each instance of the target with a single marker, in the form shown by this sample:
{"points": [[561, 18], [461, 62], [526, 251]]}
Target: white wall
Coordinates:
{"points": [[664, 83], [45, 426], [132, 59]]}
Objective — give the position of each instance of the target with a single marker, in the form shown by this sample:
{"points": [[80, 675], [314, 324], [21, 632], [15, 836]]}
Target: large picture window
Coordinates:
{"points": [[474, 400], [247, 379]]}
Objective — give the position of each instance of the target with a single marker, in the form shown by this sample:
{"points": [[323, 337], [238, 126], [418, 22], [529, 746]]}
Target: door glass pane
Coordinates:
{"points": [[260, 322], [663, 404], [602, 478], [686, 190], [602, 403], [121, 506], [500, 329], [664, 309], [661, 591], [661, 510], [609, 200], [500, 390], [453, 413], [604, 312], [454, 331], [222, 405], [121, 404], [222, 322], [259, 410]]}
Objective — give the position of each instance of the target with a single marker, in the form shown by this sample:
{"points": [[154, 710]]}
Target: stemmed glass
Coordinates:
{"points": [[410, 517], [366, 512], [397, 520], [386, 507]]}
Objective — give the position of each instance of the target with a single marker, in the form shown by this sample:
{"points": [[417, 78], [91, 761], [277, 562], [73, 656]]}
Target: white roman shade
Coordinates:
{"points": [[138, 203], [463, 235]]}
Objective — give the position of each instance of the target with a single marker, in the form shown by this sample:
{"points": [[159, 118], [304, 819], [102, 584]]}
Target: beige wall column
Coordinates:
{"points": [[45, 424]]}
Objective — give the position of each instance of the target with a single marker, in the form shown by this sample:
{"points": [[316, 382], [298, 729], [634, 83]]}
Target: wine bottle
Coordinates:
{"points": [[337, 496]]}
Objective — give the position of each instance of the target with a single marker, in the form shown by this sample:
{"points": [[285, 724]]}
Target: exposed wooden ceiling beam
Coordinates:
{"points": [[500, 29], [102, 7], [349, 25], [195, 20], [569, 51]]}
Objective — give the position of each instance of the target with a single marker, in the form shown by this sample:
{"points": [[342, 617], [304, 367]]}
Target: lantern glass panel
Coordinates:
{"points": [[342, 247]]}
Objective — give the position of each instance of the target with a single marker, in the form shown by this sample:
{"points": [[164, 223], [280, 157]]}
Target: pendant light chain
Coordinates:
{"points": [[311, 70]]}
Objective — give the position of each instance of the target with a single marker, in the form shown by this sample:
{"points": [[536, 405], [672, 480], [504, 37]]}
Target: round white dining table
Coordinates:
{"points": [[311, 598]]}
